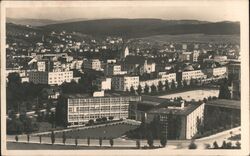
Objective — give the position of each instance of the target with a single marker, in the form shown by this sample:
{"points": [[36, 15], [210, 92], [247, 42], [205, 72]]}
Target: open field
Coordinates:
{"points": [[105, 131], [194, 94], [201, 38]]}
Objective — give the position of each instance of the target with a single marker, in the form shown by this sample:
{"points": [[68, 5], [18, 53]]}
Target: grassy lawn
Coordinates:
{"points": [[105, 132], [30, 146]]}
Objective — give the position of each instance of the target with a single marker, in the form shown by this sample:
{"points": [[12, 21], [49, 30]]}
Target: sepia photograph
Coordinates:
{"points": [[125, 77]]}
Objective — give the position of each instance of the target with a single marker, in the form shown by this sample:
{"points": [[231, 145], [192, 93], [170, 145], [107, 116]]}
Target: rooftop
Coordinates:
{"points": [[234, 104], [185, 111], [106, 94]]}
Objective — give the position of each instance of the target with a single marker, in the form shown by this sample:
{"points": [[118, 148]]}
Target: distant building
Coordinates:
{"points": [[138, 65], [125, 82], [51, 78], [234, 70], [76, 64], [218, 58], [94, 64], [114, 69], [169, 77], [217, 71], [124, 53], [185, 56], [236, 90], [196, 55], [103, 83], [194, 74], [82, 108]]}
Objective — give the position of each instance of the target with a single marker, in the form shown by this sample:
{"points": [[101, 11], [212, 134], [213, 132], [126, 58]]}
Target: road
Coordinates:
{"points": [[122, 142]]}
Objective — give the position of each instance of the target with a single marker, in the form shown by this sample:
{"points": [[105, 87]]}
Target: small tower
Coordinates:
{"points": [[124, 52]]}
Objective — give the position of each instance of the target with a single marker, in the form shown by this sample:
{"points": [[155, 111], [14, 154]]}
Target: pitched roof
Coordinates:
{"points": [[135, 60]]}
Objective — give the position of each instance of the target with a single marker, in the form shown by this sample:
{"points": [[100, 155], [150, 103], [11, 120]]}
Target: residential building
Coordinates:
{"points": [[103, 83], [217, 71], [138, 65], [94, 64], [114, 69], [185, 114], [51, 78], [124, 82], [185, 56], [194, 74]]}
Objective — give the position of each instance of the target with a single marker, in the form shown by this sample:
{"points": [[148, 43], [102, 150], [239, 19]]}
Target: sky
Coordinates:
{"points": [[96, 10]]}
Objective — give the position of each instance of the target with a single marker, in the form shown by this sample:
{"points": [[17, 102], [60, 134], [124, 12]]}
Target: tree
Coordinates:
{"points": [[88, 141], [52, 119], [153, 89], [76, 141], [166, 85], [150, 139], [104, 119], [179, 84], [111, 141], [192, 145], [132, 90], [238, 145], [205, 100], [185, 83], [139, 90], [14, 78], [215, 145], [138, 144], [52, 137], [28, 138], [229, 145], [146, 89], [100, 141], [91, 122], [16, 138], [173, 85], [163, 141], [160, 86], [64, 138], [224, 92], [111, 117], [40, 139], [199, 125], [224, 145], [191, 82]]}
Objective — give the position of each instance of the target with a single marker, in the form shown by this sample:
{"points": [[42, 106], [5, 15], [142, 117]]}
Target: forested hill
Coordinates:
{"points": [[131, 28]]}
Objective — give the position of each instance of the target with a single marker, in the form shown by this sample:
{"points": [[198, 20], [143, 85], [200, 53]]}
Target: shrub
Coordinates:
{"points": [[192, 145]]}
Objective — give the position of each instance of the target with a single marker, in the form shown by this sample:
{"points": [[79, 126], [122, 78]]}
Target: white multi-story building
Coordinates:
{"points": [[194, 74], [169, 77], [103, 83], [42, 65], [82, 108], [196, 54], [125, 82], [51, 78], [219, 71], [94, 64], [188, 114]]}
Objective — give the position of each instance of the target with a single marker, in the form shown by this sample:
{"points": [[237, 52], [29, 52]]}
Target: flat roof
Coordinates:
{"points": [[106, 94], [233, 104], [185, 111]]}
